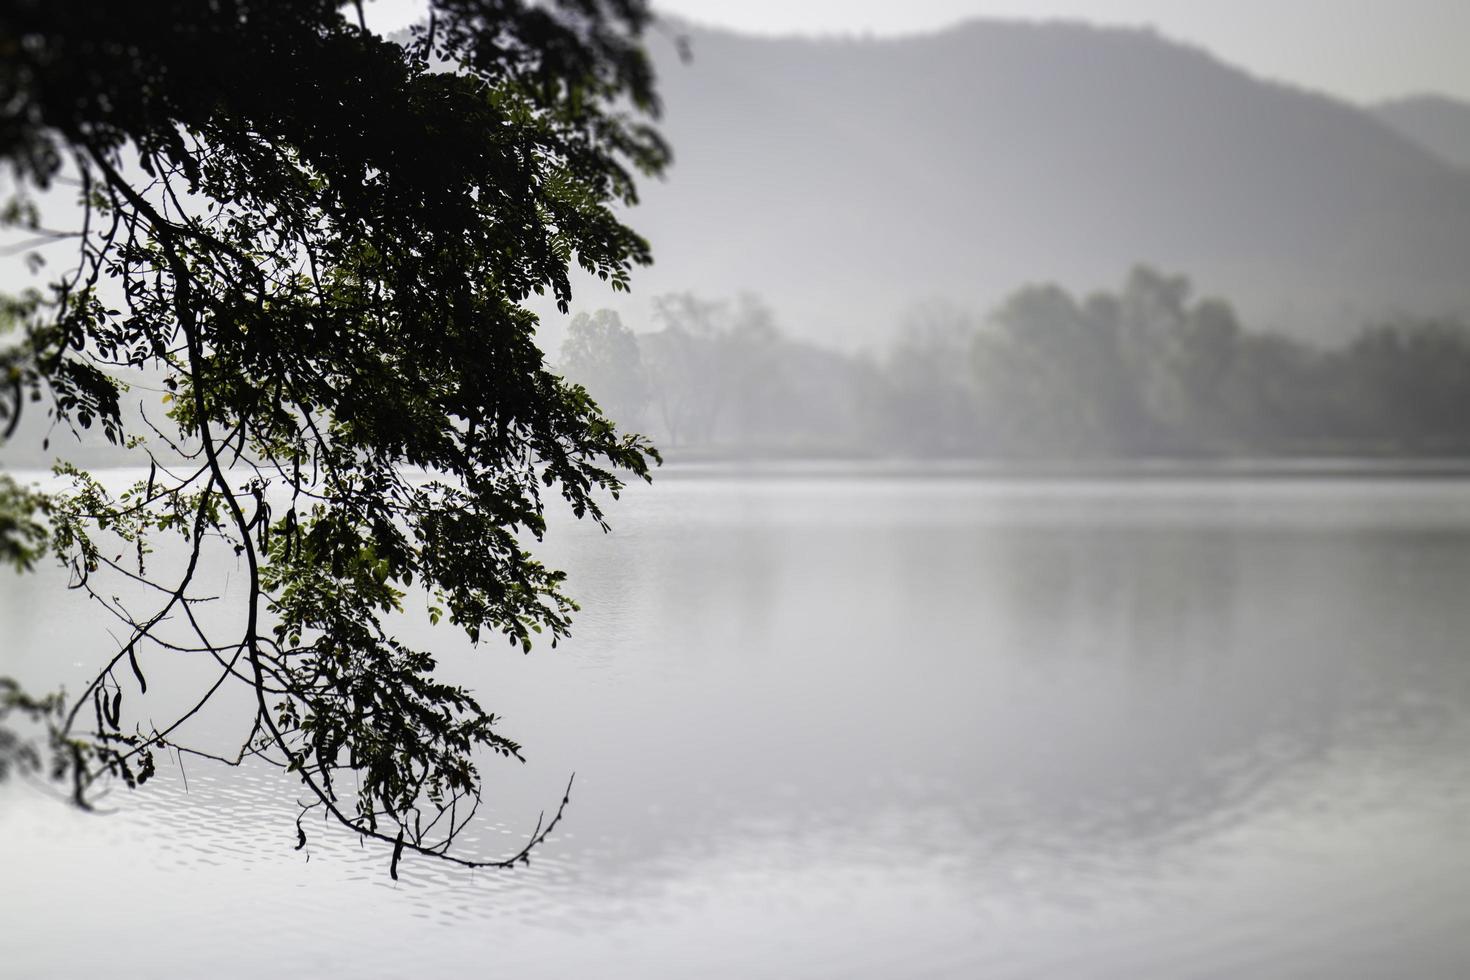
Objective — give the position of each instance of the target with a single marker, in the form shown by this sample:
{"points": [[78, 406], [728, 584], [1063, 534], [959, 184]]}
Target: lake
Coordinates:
{"points": [[868, 722]]}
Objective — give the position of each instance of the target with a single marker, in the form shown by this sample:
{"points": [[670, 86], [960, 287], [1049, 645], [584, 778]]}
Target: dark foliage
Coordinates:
{"points": [[318, 242]]}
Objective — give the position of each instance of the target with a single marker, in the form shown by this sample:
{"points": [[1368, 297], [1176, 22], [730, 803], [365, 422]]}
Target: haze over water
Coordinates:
{"points": [[874, 722]]}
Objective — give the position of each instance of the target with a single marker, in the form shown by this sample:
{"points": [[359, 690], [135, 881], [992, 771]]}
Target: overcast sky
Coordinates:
{"points": [[1363, 50]]}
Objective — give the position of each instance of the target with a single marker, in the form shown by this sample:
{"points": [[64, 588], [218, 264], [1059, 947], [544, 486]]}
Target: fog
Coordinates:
{"points": [[1145, 370], [867, 721], [1034, 240], [846, 180], [1055, 565]]}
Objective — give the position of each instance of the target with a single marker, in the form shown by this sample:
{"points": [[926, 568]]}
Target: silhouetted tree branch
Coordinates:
{"points": [[317, 243]]}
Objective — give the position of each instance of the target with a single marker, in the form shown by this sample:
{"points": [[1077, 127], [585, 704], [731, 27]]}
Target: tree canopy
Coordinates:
{"points": [[297, 293]]}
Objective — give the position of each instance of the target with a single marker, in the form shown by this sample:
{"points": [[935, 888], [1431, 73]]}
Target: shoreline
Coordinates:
{"points": [[696, 465], [693, 466]]}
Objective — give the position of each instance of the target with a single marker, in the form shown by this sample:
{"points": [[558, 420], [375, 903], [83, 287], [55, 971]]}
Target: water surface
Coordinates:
{"points": [[875, 724]]}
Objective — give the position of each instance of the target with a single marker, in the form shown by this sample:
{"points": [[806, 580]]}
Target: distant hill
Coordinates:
{"points": [[1440, 125], [846, 179]]}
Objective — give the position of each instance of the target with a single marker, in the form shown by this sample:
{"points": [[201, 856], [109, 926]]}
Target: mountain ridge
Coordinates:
{"points": [[848, 179], [1438, 123]]}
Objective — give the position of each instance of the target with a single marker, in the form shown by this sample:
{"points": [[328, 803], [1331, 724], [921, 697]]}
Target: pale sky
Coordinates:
{"points": [[1363, 50]]}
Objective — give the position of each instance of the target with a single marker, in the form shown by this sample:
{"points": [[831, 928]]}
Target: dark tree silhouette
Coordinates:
{"points": [[317, 241]]}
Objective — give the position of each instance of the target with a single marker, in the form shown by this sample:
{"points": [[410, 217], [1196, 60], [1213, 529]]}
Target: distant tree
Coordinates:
{"points": [[683, 368], [1142, 370], [753, 358], [313, 245], [1049, 375], [1179, 354], [1405, 384], [929, 395], [1273, 396], [712, 360], [602, 354]]}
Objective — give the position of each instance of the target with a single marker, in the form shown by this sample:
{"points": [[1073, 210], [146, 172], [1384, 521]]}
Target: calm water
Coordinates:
{"points": [[879, 725]]}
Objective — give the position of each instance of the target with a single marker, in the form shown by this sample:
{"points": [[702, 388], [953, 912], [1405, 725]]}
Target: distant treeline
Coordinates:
{"points": [[1146, 371]]}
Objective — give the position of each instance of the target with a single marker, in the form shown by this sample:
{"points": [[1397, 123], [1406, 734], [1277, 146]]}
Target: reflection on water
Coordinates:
{"points": [[886, 726]]}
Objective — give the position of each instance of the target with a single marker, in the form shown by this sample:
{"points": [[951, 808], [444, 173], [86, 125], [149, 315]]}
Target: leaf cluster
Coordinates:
{"points": [[315, 244]]}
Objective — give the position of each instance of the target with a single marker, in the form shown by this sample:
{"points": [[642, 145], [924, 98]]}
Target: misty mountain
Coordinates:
{"points": [[1440, 125], [846, 179]]}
